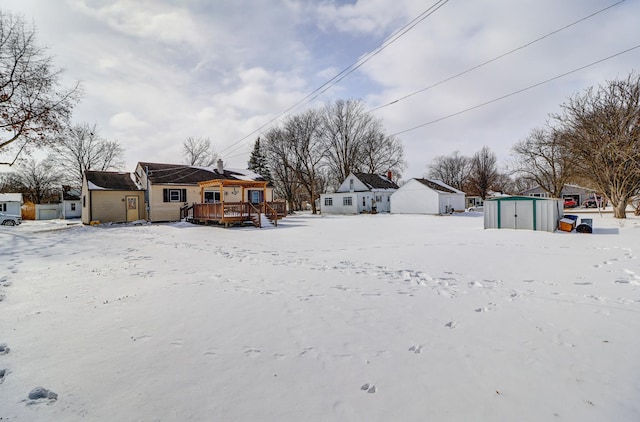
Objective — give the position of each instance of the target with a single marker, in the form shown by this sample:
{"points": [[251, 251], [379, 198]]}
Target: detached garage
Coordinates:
{"points": [[523, 213], [424, 196]]}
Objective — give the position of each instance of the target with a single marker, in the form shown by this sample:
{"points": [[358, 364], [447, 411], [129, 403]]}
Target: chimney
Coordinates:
{"points": [[389, 175], [220, 167]]}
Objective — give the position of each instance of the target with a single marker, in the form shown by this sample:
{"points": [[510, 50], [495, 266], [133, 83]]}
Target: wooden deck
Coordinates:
{"points": [[233, 213]]}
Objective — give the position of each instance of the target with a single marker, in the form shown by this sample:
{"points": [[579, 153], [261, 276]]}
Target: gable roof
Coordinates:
{"points": [[191, 175], [439, 186], [376, 181], [110, 180]]}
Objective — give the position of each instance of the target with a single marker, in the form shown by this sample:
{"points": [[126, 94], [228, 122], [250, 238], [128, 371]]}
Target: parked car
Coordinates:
{"points": [[10, 220], [570, 203], [593, 202]]}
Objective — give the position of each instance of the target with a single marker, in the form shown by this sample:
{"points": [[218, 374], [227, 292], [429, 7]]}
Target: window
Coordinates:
{"points": [[73, 206], [364, 203], [3, 207], [350, 184], [347, 201], [174, 195], [328, 201], [84, 201], [211, 197]]}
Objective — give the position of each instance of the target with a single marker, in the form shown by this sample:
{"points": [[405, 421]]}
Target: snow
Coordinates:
{"points": [[322, 318]]}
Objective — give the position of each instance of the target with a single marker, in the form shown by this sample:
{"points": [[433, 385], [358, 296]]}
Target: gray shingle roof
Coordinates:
{"points": [[111, 180], [186, 175], [376, 181], [435, 186]]}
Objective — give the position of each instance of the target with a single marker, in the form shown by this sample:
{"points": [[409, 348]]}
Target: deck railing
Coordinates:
{"points": [[233, 212]]}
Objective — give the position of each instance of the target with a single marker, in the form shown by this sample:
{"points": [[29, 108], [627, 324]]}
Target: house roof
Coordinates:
{"points": [[110, 180], [191, 175], [438, 186], [375, 181], [11, 197]]}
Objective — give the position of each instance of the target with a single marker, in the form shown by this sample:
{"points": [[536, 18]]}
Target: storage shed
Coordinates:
{"points": [[523, 212]]}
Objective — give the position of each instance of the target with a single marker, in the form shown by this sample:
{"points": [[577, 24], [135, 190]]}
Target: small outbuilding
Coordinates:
{"points": [[112, 197], [425, 196], [523, 212], [11, 203]]}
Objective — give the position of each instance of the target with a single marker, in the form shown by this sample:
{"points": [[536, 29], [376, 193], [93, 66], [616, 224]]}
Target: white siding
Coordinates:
{"points": [[415, 198], [338, 200]]}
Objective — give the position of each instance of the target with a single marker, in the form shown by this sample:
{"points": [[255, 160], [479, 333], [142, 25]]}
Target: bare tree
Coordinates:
{"points": [[544, 159], [36, 180], [280, 158], [452, 169], [382, 153], [199, 152], [353, 139], [602, 131], [33, 106], [80, 148], [484, 173], [303, 134]]}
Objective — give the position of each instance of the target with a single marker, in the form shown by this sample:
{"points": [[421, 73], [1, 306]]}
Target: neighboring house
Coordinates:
{"points": [[169, 187], [71, 202], [360, 193], [11, 203], [425, 196], [577, 193], [111, 197], [523, 212]]}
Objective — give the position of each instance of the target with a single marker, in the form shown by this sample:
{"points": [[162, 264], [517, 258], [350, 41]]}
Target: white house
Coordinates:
{"points": [[424, 196], [360, 193], [71, 202], [11, 203]]}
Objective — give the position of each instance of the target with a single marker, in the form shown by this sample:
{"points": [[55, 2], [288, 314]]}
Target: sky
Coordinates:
{"points": [[156, 72]]}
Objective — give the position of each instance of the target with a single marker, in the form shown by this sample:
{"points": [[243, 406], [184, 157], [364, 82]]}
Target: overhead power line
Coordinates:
{"points": [[516, 92], [497, 57], [349, 69]]}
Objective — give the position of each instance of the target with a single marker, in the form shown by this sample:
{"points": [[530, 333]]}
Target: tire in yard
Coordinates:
{"points": [[8, 223]]}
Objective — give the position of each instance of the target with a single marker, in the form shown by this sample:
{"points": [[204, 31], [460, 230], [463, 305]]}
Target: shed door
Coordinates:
{"points": [[516, 214], [132, 208]]}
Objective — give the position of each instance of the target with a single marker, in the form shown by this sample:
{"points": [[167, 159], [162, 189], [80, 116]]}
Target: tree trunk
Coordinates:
{"points": [[620, 209]]}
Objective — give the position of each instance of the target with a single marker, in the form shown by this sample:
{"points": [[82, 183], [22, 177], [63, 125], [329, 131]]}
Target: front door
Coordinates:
{"points": [[132, 208], [255, 196]]}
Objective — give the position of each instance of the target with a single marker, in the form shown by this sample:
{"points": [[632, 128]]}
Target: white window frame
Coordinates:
{"points": [[347, 201], [328, 201], [176, 193]]}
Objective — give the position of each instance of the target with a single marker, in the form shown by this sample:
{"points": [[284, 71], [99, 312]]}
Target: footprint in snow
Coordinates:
{"points": [[4, 349], [42, 395], [3, 374], [451, 324], [371, 389], [416, 349]]}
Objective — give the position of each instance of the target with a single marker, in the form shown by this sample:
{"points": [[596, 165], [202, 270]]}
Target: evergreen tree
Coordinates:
{"points": [[258, 161]]}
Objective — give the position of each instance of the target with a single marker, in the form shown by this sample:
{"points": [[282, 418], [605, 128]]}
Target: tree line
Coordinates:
{"points": [[317, 149], [593, 141]]}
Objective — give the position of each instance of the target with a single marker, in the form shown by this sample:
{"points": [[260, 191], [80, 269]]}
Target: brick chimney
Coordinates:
{"points": [[389, 175], [220, 166]]}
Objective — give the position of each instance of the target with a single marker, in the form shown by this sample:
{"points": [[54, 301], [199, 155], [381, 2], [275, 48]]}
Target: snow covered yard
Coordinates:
{"points": [[354, 318]]}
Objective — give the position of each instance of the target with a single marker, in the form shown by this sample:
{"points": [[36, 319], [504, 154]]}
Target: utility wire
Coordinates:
{"points": [[349, 69], [496, 58], [516, 92]]}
